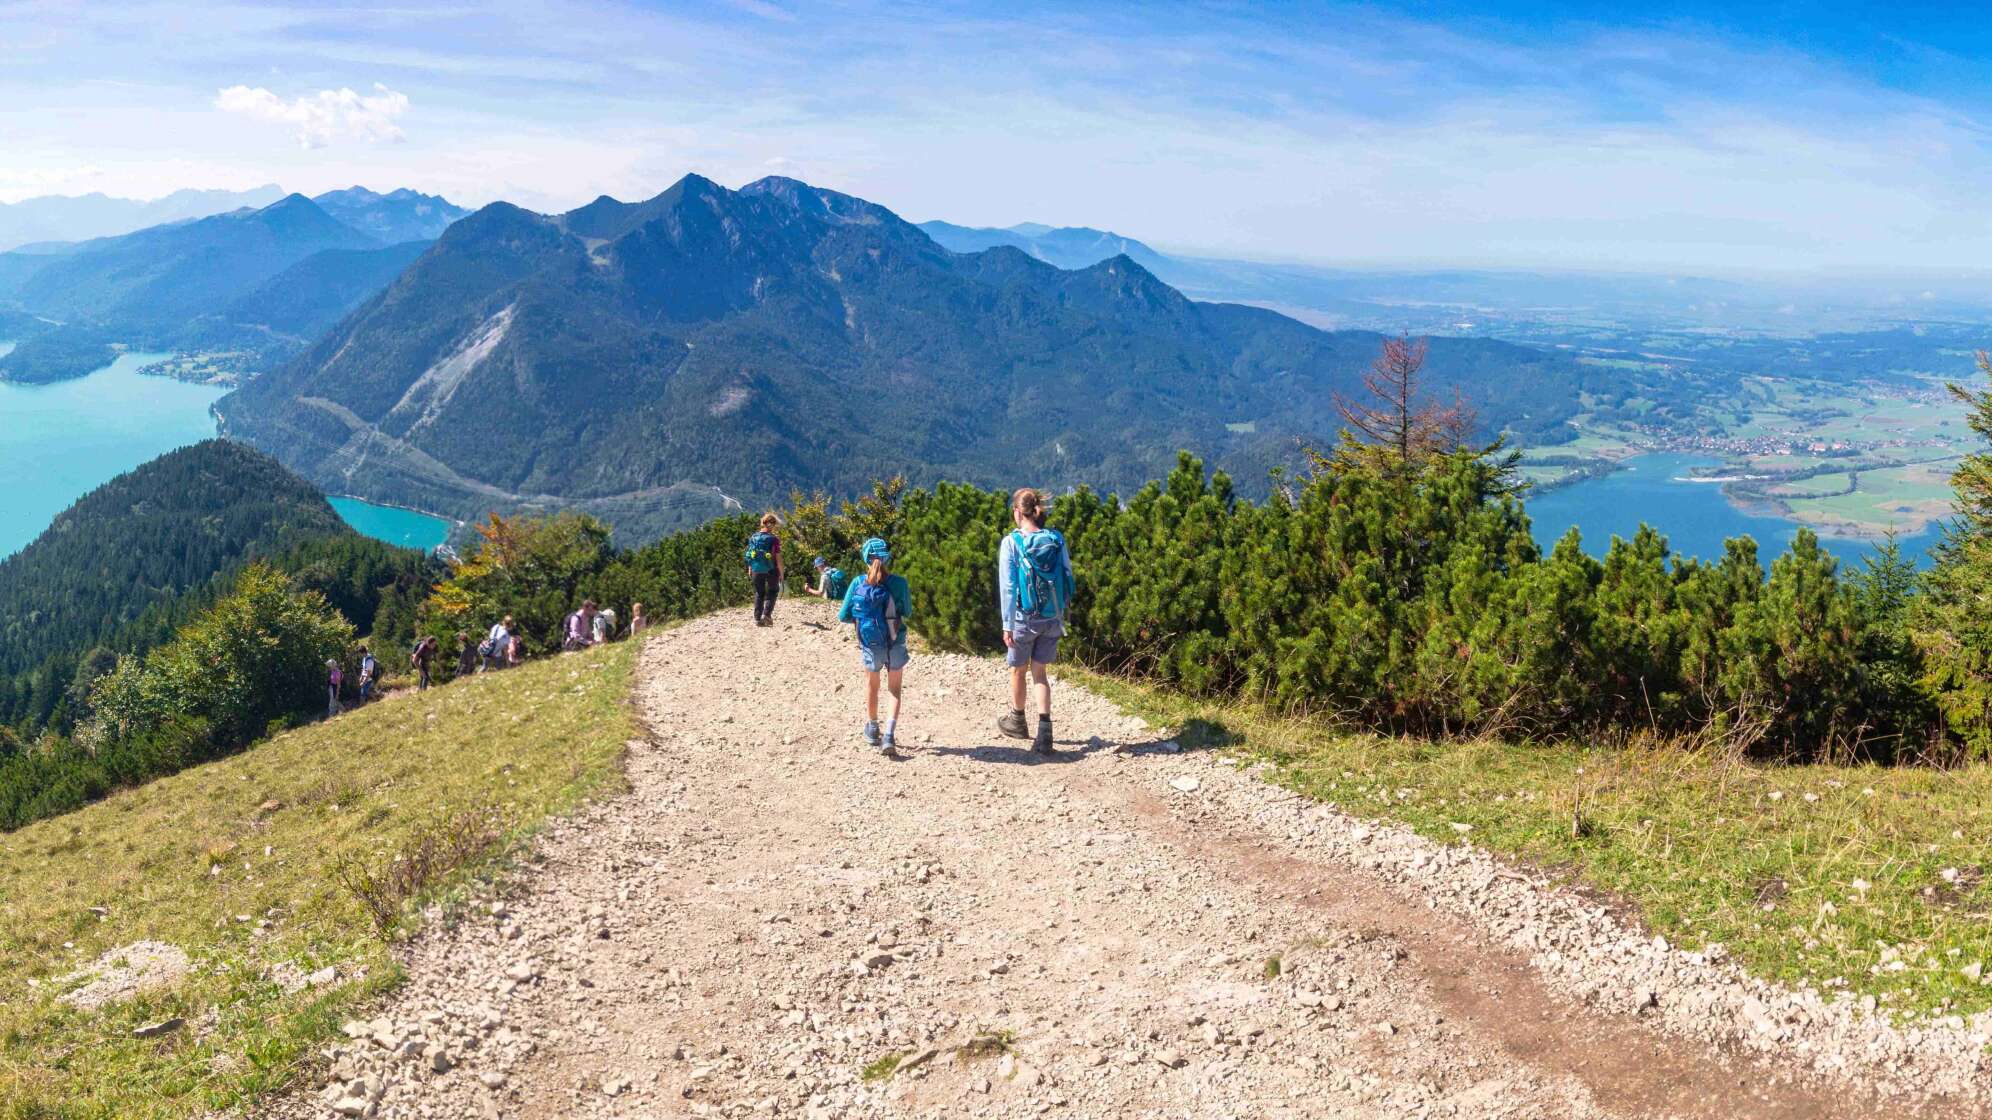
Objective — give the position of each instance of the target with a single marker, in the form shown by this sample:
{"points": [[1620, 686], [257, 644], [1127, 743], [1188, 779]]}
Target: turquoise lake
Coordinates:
{"points": [[59, 442], [1693, 516], [395, 526]]}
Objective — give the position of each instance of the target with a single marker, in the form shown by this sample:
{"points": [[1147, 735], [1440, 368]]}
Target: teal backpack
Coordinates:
{"points": [[1042, 581], [835, 583], [760, 553]]}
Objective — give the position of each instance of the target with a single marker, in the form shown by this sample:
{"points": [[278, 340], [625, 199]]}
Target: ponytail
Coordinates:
{"points": [[1030, 504], [875, 575]]}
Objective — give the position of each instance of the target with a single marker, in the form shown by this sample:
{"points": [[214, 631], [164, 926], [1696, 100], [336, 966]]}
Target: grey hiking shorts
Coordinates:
{"points": [[1033, 639]]}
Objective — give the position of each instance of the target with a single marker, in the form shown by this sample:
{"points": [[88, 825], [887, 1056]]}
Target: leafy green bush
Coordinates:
{"points": [[539, 569], [256, 657]]}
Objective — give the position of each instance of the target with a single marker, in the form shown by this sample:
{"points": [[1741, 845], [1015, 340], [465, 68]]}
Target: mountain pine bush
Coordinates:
{"points": [[1418, 602]]}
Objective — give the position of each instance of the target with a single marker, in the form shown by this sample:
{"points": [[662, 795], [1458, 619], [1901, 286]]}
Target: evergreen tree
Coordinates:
{"points": [[1951, 622]]}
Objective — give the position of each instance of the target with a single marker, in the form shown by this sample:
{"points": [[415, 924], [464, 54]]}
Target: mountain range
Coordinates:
{"points": [[260, 283], [1067, 247], [653, 361], [81, 217]]}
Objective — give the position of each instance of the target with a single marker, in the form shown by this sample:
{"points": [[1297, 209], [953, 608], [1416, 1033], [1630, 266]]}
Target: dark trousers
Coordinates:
{"points": [[765, 586]]}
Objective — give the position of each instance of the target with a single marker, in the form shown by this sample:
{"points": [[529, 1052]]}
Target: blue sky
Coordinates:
{"points": [[1712, 137]]}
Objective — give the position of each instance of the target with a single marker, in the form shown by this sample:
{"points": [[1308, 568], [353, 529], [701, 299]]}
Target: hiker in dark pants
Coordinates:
{"points": [[424, 657], [764, 564], [369, 675]]}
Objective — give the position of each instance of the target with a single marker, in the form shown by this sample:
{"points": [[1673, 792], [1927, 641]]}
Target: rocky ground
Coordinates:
{"points": [[777, 922]]}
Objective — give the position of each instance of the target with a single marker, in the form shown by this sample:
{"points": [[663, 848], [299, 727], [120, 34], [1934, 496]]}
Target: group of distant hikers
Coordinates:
{"points": [[1034, 591], [502, 648]]}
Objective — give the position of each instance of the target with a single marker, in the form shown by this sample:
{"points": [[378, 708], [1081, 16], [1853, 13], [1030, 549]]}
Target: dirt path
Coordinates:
{"points": [[773, 910]]}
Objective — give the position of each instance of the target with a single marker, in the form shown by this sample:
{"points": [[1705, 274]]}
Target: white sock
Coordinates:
{"points": [[889, 726]]}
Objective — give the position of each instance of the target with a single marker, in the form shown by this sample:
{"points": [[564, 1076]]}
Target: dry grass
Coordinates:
{"points": [[235, 863], [1843, 877]]}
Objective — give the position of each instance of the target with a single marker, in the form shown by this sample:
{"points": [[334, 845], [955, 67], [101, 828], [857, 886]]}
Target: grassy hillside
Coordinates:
{"points": [[1832, 876], [238, 863]]}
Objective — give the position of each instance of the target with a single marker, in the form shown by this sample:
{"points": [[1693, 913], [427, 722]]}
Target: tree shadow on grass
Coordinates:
{"points": [[1194, 736]]}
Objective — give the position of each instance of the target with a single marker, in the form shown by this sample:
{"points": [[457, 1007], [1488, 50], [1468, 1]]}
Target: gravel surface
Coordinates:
{"points": [[777, 922]]}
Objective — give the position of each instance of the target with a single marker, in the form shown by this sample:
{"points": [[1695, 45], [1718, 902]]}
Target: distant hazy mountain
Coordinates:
{"points": [[291, 309], [394, 217], [1504, 302], [78, 218], [258, 283], [156, 280], [628, 357], [1068, 247]]}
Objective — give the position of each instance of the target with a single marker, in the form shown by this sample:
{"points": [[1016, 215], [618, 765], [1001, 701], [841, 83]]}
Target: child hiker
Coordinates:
{"points": [[831, 583], [878, 606], [1034, 587]]}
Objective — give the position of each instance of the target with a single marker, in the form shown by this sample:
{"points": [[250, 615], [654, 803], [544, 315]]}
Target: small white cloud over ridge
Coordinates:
{"points": [[322, 117]]}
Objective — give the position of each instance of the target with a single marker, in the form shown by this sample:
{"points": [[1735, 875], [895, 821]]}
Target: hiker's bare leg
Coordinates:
{"points": [[871, 696], [892, 678], [1043, 687], [1017, 692]]}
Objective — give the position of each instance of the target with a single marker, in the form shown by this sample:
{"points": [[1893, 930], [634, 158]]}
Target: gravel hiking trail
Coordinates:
{"points": [[776, 921]]}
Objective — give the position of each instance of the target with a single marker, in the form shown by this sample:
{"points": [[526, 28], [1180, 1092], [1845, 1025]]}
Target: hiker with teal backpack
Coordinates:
{"points": [[878, 606], [831, 583], [764, 563], [1034, 590]]}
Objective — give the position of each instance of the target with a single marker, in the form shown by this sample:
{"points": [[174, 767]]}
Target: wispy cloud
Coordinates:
{"points": [[1337, 132], [322, 117]]}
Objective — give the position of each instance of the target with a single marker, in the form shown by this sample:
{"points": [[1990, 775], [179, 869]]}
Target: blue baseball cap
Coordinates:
{"points": [[876, 549]]}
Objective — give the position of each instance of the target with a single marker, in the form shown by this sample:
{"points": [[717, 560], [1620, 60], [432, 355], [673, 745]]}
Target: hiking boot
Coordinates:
{"points": [[1042, 744], [871, 732], [888, 748], [1011, 723]]}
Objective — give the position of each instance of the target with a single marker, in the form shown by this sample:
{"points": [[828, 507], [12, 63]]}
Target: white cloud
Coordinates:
{"points": [[322, 117]]}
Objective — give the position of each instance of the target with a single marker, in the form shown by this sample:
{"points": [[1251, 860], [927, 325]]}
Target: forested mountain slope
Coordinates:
{"points": [[146, 537], [625, 357], [132, 561]]}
